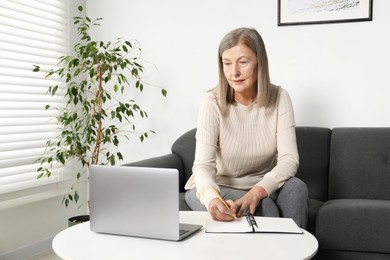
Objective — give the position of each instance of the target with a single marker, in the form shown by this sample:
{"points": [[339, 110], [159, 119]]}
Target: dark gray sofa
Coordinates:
{"points": [[347, 172]]}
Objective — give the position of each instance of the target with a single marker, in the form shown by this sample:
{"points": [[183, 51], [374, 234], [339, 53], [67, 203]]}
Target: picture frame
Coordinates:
{"points": [[302, 12]]}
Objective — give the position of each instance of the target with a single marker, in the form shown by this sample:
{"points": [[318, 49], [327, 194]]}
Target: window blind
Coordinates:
{"points": [[31, 32]]}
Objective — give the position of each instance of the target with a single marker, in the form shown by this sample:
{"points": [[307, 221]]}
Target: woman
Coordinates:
{"points": [[245, 140]]}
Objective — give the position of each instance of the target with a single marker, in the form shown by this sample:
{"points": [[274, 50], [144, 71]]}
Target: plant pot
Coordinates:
{"points": [[77, 220]]}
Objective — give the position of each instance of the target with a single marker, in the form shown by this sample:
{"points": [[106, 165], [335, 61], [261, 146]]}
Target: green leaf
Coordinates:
{"points": [[129, 44], [164, 92], [36, 68], [112, 160], [74, 91], [66, 202], [60, 157], [130, 113], [76, 196]]}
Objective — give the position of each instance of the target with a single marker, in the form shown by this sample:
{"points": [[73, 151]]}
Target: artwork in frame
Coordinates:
{"points": [[300, 12]]}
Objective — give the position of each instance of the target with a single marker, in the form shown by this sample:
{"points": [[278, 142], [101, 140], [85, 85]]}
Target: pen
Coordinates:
{"points": [[219, 196]]}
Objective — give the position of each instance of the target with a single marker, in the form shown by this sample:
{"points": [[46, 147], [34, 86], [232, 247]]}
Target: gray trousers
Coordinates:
{"points": [[290, 201]]}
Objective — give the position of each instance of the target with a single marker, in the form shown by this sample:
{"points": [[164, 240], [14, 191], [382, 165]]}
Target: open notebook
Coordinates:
{"points": [[250, 224]]}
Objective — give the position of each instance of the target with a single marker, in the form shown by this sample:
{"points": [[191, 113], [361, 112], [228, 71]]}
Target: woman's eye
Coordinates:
{"points": [[243, 64], [226, 64]]}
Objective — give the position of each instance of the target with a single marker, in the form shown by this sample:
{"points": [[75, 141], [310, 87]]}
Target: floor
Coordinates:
{"points": [[45, 256]]}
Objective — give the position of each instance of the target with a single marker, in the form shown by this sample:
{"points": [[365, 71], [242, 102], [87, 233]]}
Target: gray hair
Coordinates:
{"points": [[266, 92]]}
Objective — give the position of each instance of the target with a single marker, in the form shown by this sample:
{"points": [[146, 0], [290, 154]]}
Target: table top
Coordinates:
{"points": [[79, 242]]}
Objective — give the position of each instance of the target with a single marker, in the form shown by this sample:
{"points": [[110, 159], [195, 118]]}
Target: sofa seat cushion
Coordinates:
{"points": [[354, 225]]}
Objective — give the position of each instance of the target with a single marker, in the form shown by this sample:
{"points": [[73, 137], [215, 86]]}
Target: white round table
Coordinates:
{"points": [[78, 242]]}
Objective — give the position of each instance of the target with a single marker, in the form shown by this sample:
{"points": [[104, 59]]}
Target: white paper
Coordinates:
{"points": [[264, 225]]}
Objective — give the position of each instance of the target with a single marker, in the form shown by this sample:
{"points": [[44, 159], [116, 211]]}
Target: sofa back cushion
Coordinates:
{"points": [[313, 148], [360, 163], [184, 147]]}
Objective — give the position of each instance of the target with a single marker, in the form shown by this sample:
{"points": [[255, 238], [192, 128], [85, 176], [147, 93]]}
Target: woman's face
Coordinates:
{"points": [[240, 70]]}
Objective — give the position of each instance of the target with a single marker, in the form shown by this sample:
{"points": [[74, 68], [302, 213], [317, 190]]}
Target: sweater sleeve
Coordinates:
{"points": [[207, 134], [287, 152]]}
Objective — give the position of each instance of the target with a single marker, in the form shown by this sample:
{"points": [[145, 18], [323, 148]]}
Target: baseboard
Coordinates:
{"points": [[28, 251]]}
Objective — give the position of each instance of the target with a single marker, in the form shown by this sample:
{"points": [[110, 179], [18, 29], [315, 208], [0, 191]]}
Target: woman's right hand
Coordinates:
{"points": [[219, 212]]}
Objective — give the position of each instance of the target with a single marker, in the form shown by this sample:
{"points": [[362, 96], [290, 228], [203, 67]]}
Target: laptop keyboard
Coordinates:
{"points": [[182, 231]]}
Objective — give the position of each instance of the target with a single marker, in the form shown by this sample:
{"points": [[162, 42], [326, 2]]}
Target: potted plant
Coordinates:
{"points": [[93, 117]]}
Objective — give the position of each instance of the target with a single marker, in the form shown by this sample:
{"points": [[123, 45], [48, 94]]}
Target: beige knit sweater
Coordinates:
{"points": [[249, 146]]}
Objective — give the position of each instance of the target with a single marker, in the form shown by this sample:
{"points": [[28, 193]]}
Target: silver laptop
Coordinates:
{"points": [[136, 201]]}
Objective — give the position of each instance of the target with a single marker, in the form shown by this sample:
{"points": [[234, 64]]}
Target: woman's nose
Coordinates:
{"points": [[236, 71]]}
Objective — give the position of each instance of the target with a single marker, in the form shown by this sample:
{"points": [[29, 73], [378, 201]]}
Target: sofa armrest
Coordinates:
{"points": [[165, 161]]}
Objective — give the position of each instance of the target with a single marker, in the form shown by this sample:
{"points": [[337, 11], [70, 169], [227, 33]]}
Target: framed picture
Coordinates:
{"points": [[300, 12]]}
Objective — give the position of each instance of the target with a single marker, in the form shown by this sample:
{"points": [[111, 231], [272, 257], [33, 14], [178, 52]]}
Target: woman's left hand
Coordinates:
{"points": [[249, 201]]}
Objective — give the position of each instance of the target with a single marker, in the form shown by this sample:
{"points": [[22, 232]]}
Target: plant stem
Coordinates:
{"points": [[99, 101]]}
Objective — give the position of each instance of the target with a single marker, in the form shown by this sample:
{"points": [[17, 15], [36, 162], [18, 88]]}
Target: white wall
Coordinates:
{"points": [[336, 74], [29, 229]]}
